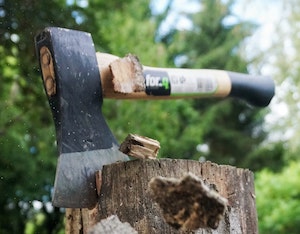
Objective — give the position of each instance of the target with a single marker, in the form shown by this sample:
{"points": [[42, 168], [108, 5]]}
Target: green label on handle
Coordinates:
{"points": [[157, 83], [180, 82]]}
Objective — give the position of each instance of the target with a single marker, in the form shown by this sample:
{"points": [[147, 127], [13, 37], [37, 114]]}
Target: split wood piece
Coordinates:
{"points": [[125, 193], [140, 147], [112, 225], [194, 204], [98, 176], [80, 220], [127, 74]]}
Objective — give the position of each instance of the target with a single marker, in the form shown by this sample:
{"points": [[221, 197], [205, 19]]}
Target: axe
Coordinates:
{"points": [[76, 79]]}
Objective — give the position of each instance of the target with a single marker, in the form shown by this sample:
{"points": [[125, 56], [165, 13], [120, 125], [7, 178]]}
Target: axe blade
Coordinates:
{"points": [[84, 140]]}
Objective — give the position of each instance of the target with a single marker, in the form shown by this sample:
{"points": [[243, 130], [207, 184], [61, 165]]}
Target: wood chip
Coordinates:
{"points": [[112, 225], [127, 75], [187, 203], [140, 147]]}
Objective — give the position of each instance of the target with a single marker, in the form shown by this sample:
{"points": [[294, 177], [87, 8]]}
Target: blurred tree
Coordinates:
{"points": [[278, 202], [284, 54], [278, 193], [27, 159], [201, 128], [230, 130]]}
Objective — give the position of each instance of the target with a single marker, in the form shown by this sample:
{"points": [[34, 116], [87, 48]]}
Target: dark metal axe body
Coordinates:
{"points": [[84, 141], [72, 81]]}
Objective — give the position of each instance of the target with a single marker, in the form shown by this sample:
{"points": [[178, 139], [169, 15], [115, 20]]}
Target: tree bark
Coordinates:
{"points": [[126, 194]]}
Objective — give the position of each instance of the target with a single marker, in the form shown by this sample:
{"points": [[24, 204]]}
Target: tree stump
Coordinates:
{"points": [[126, 194]]}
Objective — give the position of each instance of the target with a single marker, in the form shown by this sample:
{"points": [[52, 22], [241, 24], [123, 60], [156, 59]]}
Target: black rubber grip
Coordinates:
{"points": [[256, 90]]}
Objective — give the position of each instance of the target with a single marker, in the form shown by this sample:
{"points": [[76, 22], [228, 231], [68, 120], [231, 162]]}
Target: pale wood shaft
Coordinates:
{"points": [[218, 78]]}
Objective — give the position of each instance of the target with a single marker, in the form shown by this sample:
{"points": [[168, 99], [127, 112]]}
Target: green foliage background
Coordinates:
{"points": [[279, 212], [233, 132]]}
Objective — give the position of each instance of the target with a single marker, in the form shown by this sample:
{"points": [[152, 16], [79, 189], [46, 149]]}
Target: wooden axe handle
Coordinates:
{"points": [[126, 78]]}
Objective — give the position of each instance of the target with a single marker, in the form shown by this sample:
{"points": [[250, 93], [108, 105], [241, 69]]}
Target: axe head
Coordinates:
{"points": [[85, 143]]}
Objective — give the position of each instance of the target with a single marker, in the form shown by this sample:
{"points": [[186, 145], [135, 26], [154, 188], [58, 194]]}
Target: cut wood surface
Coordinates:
{"points": [[125, 193]]}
